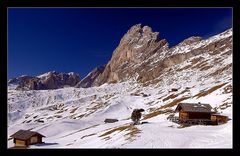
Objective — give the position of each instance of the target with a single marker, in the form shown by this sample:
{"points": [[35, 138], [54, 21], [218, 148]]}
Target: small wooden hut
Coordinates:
{"points": [[218, 119], [199, 113], [26, 138]]}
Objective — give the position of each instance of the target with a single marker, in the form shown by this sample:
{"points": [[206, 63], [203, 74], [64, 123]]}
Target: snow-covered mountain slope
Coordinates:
{"points": [[74, 117]]}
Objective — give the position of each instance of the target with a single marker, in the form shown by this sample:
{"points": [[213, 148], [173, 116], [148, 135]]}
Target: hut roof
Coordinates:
{"points": [[25, 134], [195, 107]]}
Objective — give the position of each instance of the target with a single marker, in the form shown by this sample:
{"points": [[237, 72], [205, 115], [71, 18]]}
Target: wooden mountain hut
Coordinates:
{"points": [[26, 138], [198, 113]]}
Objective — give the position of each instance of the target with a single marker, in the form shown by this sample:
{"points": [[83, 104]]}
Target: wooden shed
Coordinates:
{"points": [[198, 113], [219, 119], [194, 112], [110, 120], [26, 138]]}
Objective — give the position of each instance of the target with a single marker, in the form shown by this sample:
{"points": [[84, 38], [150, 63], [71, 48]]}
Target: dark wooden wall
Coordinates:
{"points": [[198, 115]]}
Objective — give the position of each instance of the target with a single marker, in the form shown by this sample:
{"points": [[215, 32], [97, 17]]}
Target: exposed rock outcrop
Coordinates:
{"points": [[90, 78], [50, 80], [139, 43]]}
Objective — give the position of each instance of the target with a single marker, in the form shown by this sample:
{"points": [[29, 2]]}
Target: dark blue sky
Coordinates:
{"points": [[79, 39]]}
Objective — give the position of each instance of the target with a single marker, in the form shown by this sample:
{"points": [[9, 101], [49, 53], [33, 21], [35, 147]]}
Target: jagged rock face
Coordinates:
{"points": [[50, 80], [90, 78], [135, 46], [143, 56]]}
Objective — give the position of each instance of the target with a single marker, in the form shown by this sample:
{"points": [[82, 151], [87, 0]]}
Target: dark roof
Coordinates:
{"points": [[195, 107], [25, 134], [218, 114]]}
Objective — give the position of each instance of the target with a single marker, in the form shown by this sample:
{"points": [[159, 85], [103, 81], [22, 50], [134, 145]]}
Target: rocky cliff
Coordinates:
{"points": [[88, 81], [143, 56]]}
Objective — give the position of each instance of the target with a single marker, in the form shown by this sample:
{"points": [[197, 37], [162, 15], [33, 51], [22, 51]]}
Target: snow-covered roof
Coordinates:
{"points": [[194, 107], [25, 134]]}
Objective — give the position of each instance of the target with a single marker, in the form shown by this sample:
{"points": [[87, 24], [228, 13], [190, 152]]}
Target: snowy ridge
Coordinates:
{"points": [[186, 48]]}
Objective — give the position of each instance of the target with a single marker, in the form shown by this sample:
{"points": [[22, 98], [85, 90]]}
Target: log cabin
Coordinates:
{"points": [[198, 112], [26, 138]]}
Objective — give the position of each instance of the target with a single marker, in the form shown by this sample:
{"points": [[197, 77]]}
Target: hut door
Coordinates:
{"points": [[34, 139]]}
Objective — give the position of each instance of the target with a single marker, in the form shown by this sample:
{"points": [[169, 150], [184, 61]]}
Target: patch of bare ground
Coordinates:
{"points": [[73, 110], [95, 106], [69, 144], [58, 116], [200, 64], [122, 128], [196, 60], [206, 67], [72, 116], [219, 71], [107, 138], [58, 112], [130, 136], [88, 135], [150, 103], [79, 116], [224, 106], [217, 60], [172, 96], [207, 92], [227, 53], [184, 68], [108, 96], [160, 97], [159, 110], [151, 82], [50, 118]]}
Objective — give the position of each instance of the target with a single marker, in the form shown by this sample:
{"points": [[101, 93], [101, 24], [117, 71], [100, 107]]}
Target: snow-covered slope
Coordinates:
{"points": [[74, 117]]}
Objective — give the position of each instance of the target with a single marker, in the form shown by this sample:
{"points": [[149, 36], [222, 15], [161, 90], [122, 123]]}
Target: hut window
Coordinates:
{"points": [[34, 139], [20, 143]]}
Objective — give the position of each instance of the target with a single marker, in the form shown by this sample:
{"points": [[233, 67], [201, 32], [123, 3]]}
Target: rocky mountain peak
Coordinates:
{"points": [[139, 43], [139, 35]]}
